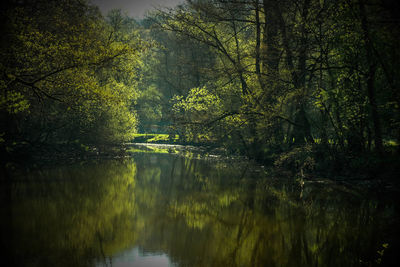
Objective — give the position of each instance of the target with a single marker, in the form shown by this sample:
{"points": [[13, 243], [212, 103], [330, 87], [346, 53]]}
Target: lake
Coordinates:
{"points": [[163, 209]]}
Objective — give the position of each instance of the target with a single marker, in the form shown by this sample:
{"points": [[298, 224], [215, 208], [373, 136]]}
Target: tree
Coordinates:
{"points": [[68, 75], [292, 74]]}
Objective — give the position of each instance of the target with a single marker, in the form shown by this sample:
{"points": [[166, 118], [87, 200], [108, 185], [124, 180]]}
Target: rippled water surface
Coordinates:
{"points": [[159, 209]]}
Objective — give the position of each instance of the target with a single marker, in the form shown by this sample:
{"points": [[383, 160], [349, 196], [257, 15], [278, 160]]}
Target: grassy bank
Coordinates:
{"points": [[155, 138]]}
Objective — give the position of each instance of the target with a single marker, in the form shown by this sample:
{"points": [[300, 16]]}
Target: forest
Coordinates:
{"points": [[302, 84], [211, 133]]}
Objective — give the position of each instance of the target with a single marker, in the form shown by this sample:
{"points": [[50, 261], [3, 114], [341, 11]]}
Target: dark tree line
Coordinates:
{"points": [[67, 76], [306, 83], [307, 80]]}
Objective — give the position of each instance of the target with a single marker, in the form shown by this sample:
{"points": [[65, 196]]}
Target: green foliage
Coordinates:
{"points": [[68, 74], [257, 77], [155, 138], [298, 160], [149, 107], [282, 79], [198, 104], [197, 109]]}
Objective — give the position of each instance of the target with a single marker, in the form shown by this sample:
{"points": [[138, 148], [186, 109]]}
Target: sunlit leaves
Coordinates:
{"points": [[198, 100], [68, 66], [14, 102]]}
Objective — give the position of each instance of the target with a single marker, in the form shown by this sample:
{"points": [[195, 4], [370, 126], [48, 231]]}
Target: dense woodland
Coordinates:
{"points": [[309, 84]]}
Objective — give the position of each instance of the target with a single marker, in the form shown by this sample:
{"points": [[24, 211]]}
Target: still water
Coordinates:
{"points": [[158, 209]]}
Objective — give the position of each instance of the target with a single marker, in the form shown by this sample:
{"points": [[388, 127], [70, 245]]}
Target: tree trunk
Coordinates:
{"points": [[371, 80], [270, 55]]}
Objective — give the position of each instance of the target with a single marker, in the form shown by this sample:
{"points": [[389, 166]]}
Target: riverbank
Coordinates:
{"points": [[305, 164], [300, 161]]}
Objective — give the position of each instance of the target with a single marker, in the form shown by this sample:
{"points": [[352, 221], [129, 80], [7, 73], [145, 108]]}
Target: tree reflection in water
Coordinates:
{"points": [[199, 212]]}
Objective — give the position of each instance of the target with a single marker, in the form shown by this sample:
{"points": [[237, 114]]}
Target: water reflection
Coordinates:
{"points": [[166, 210], [137, 257]]}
